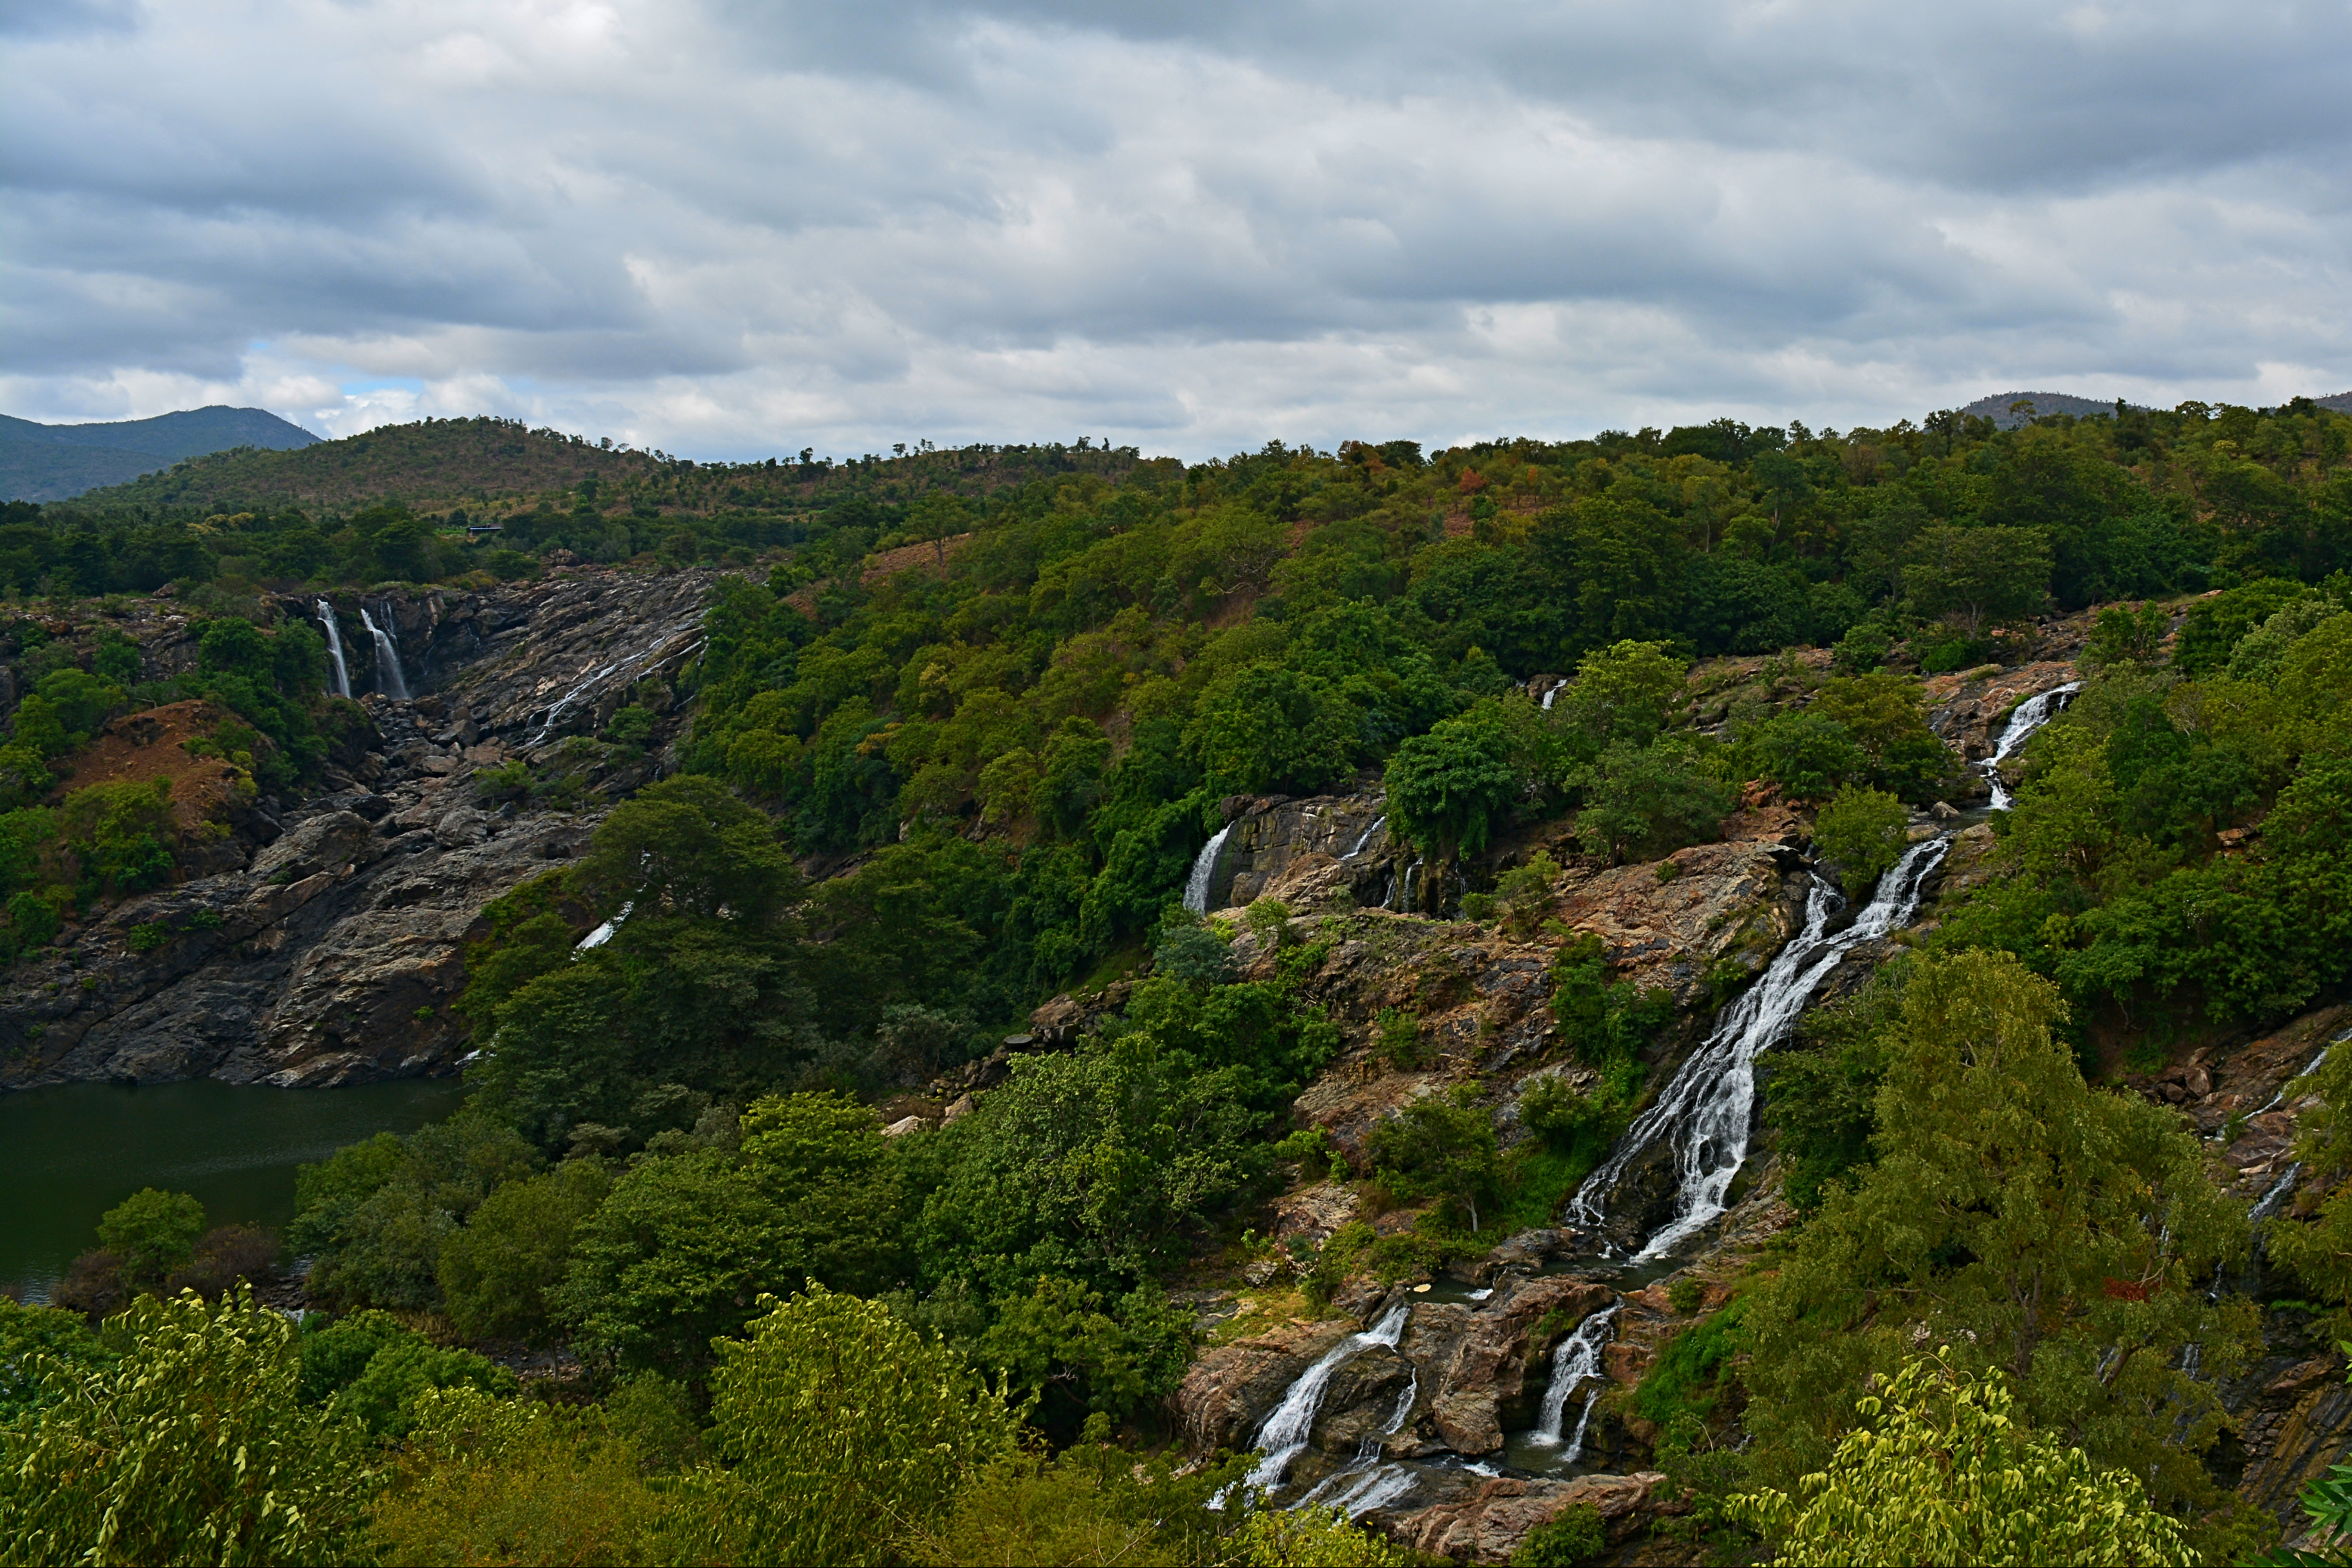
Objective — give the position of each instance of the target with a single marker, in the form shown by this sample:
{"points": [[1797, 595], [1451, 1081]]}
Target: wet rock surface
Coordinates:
{"points": [[321, 940]]}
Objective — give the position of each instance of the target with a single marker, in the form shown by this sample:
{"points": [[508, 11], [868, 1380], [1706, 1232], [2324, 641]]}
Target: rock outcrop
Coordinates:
{"points": [[321, 940], [1491, 1523]]}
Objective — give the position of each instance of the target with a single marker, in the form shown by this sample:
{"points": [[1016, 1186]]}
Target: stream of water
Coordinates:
{"points": [[389, 680], [335, 650], [1704, 1119], [1204, 872]]}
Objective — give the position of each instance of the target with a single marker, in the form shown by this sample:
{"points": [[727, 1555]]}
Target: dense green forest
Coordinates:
{"points": [[914, 802]]}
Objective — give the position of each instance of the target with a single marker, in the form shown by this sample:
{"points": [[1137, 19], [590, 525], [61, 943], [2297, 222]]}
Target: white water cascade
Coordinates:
{"points": [[2023, 720], [1283, 1437], [622, 670], [1552, 691], [1574, 1364], [1705, 1113], [1204, 872], [388, 678], [335, 649], [1364, 1483], [1365, 839]]}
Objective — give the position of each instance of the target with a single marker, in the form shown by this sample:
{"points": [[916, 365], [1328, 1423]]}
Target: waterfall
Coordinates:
{"points": [[1283, 1437], [1704, 1114], [335, 649], [603, 932], [2023, 720], [1553, 692], [1575, 1362], [388, 678], [1204, 872], [1364, 1483], [1365, 839], [627, 667]]}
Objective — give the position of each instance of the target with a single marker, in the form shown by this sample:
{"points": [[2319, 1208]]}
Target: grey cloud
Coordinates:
{"points": [[995, 222]]}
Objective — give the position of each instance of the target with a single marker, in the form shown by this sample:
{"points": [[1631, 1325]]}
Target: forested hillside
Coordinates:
{"points": [[806, 1260]]}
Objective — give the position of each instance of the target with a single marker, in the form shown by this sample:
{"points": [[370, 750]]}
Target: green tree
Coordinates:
{"points": [[1973, 578], [1448, 790], [685, 1244], [848, 1433], [1939, 1468], [688, 846], [151, 1233], [2061, 1232], [1806, 754], [374, 1214], [1072, 1352], [1442, 1146], [497, 1270], [192, 1448], [1622, 693], [1650, 802], [1865, 832]]}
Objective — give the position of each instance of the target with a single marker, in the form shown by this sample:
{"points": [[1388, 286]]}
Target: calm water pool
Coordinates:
{"points": [[70, 1153]]}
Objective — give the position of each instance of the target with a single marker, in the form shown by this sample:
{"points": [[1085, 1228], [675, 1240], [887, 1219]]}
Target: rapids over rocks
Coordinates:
{"points": [[1458, 1416]]}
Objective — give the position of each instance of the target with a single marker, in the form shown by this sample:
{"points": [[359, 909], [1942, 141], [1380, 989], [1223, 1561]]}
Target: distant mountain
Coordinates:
{"points": [[434, 465], [53, 462], [1996, 407]]}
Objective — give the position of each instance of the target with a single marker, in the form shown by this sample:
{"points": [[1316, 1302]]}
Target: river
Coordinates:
{"points": [[70, 1153]]}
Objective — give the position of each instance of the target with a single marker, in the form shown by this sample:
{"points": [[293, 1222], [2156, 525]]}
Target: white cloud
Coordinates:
{"points": [[732, 230]]}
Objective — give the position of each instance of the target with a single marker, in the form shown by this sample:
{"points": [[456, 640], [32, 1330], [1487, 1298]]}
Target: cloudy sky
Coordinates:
{"points": [[729, 228]]}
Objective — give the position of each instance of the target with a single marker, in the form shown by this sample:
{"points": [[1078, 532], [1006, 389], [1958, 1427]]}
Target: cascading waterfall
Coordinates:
{"points": [[2023, 720], [1706, 1111], [388, 678], [626, 668], [1556, 688], [603, 932], [1283, 1437], [335, 649], [1204, 872], [1575, 1362], [1365, 839], [1365, 1483]]}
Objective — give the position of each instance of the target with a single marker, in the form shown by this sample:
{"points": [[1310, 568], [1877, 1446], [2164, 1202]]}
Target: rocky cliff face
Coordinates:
{"points": [[321, 940]]}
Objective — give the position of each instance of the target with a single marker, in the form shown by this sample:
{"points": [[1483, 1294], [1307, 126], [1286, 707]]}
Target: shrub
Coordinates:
{"points": [[1570, 1539], [152, 1232], [191, 1448], [1937, 1470], [847, 1431], [1269, 919], [1865, 832]]}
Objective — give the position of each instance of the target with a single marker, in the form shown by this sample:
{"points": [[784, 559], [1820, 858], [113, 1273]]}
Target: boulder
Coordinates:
{"points": [[1228, 1392], [1494, 1522]]}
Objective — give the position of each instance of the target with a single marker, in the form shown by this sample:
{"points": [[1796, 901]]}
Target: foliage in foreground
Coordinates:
{"points": [[193, 1448], [1939, 1471]]}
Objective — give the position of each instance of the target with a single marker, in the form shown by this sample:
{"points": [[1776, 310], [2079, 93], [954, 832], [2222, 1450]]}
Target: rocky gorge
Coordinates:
{"points": [[319, 941]]}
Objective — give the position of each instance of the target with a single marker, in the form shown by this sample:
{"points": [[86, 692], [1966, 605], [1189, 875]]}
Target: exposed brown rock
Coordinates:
{"points": [[1489, 1525], [1227, 1391]]}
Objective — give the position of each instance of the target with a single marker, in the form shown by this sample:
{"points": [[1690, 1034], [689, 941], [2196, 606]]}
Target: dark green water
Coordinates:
{"points": [[69, 1154]]}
